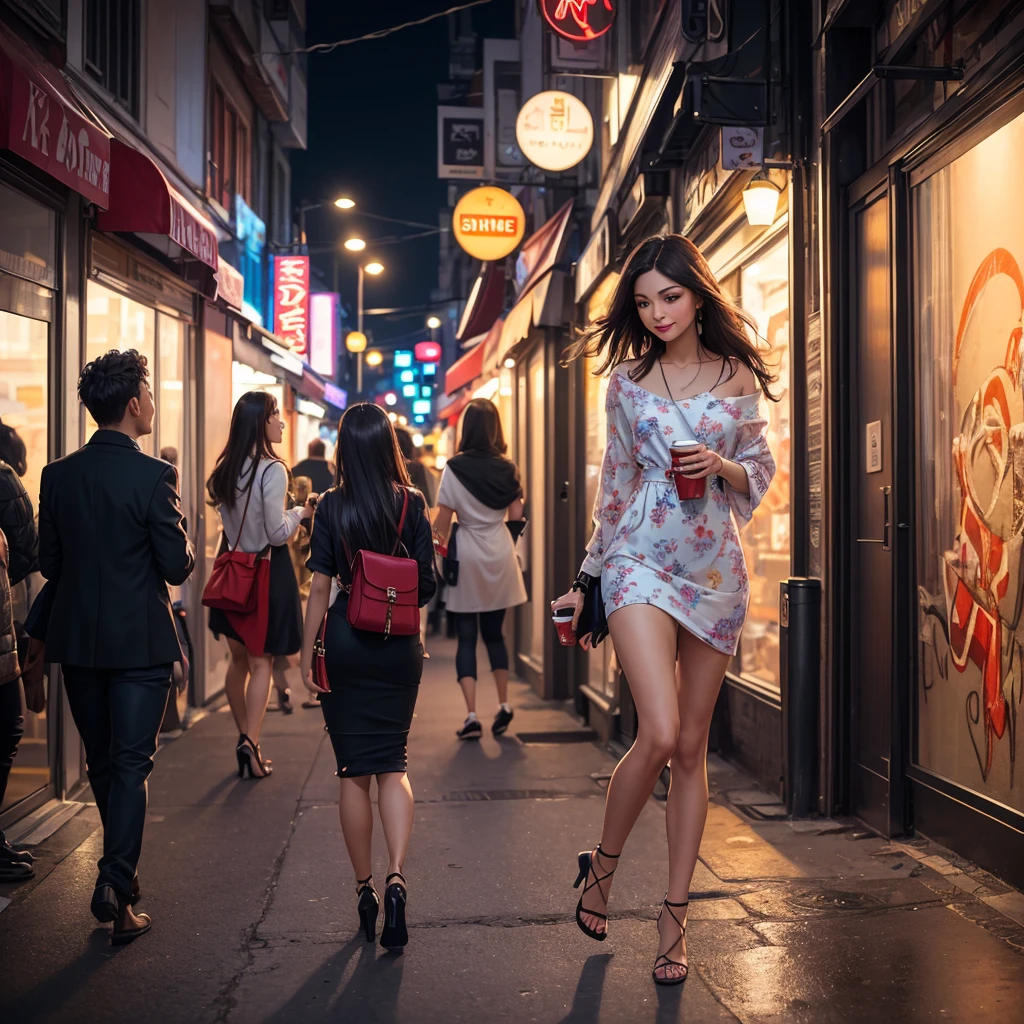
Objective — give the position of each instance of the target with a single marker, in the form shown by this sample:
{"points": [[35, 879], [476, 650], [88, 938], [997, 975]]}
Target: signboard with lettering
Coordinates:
{"points": [[554, 130], [741, 147], [579, 20], [230, 284], [488, 223], [291, 301], [324, 328], [460, 142]]}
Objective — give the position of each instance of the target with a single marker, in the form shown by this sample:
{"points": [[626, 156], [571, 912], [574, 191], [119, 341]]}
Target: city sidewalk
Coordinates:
{"points": [[254, 908]]}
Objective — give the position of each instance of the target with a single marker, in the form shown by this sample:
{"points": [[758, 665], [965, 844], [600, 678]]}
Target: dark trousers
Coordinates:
{"points": [[12, 724], [118, 714], [490, 627]]}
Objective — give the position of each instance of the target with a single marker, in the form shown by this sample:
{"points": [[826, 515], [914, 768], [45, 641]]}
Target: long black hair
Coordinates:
{"points": [[13, 450], [481, 428], [247, 437], [370, 470], [621, 335]]}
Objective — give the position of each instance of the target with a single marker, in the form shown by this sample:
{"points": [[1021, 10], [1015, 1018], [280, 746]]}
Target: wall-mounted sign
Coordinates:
{"points": [[579, 20], [554, 130], [428, 352], [291, 301], [460, 142], [230, 284], [248, 227], [488, 223], [324, 327], [403, 359], [741, 147], [594, 259]]}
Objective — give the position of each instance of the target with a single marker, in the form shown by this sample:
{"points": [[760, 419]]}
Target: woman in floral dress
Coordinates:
{"points": [[683, 368]]}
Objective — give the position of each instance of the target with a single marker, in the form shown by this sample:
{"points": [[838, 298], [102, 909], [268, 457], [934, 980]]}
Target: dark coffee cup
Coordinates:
{"points": [[562, 619], [687, 488]]}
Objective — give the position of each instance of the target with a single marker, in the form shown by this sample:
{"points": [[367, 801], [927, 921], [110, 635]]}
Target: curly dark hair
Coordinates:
{"points": [[109, 383]]}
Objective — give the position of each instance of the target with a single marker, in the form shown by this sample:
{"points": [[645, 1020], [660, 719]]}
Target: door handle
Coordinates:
{"points": [[886, 522]]}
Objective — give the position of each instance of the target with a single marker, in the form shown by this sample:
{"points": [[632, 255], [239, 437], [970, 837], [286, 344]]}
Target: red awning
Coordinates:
{"points": [[470, 366], [486, 300], [40, 121], [540, 251], [453, 410], [142, 201]]}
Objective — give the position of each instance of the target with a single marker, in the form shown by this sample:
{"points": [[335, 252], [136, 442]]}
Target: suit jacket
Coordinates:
{"points": [[111, 537]]}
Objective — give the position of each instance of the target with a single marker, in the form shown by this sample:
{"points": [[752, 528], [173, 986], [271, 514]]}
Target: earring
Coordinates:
{"points": [[700, 322]]}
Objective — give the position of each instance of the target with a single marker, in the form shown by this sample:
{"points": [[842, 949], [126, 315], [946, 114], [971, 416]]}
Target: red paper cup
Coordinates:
{"points": [[687, 488], [563, 624]]}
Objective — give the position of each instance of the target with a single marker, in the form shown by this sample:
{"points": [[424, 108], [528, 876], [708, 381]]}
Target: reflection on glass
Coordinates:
{"points": [[116, 322], [24, 347], [764, 294], [968, 259], [539, 612], [27, 238]]}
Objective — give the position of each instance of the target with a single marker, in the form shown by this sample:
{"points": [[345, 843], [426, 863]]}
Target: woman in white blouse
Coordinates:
{"points": [[249, 487]]}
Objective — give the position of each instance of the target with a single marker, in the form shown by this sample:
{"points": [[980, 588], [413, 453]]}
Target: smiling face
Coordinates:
{"points": [[666, 309], [275, 426]]}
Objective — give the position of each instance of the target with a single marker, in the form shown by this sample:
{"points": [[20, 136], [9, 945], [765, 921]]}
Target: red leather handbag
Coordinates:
{"points": [[383, 596], [232, 586]]}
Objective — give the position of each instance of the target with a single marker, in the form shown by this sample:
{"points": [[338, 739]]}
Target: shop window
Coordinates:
{"points": [[230, 162], [764, 294], [112, 48], [536, 489], [969, 298], [27, 238], [24, 406]]}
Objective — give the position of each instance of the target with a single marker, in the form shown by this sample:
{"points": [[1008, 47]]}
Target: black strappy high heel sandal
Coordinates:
{"points": [[369, 907], [586, 864], [665, 960], [246, 751], [394, 934]]}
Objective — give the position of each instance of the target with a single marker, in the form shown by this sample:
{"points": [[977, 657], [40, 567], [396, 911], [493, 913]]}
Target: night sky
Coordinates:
{"points": [[373, 136]]}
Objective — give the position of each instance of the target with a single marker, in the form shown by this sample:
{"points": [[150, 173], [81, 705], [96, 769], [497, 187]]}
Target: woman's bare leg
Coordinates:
{"points": [[395, 803], [257, 694], [234, 682], [701, 671], [281, 664], [356, 815], [645, 644]]}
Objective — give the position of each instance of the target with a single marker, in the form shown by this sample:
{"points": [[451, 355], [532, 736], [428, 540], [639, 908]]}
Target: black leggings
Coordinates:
{"points": [[490, 627], [12, 727]]}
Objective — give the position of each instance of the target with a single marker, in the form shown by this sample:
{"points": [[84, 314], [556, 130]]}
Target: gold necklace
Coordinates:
{"points": [[661, 366]]}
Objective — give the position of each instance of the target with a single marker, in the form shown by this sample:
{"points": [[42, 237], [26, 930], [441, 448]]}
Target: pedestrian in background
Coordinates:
{"points": [[685, 466], [17, 523], [112, 536], [421, 480], [480, 485], [374, 678], [249, 487], [316, 467]]}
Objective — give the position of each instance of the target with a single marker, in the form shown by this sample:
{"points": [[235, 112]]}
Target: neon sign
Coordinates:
{"points": [[291, 301], [579, 20]]}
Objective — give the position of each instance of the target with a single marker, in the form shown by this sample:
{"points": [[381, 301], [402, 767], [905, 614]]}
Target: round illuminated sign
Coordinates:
{"points": [[579, 20], [355, 341], [427, 352], [554, 130], [488, 223]]}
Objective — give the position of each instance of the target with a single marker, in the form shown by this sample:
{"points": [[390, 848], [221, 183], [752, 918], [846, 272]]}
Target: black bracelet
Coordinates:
{"points": [[582, 583]]}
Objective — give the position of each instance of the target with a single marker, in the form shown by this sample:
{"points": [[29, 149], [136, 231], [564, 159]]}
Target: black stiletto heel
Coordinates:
{"points": [[247, 751], [668, 961], [394, 934], [369, 907], [586, 866]]}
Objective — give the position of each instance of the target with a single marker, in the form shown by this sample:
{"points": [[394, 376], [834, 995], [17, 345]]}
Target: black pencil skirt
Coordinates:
{"points": [[374, 684], [284, 616]]}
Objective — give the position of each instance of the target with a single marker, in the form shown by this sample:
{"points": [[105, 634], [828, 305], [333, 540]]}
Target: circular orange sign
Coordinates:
{"points": [[488, 223]]}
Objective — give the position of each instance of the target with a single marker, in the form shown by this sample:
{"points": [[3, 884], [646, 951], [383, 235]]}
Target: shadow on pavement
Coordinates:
{"points": [[586, 1000]]}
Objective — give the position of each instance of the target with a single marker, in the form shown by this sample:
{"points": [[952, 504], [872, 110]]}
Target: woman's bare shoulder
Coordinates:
{"points": [[741, 380]]}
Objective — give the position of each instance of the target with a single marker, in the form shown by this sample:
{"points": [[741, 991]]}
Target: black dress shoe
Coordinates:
{"points": [[104, 904], [471, 730], [501, 721]]}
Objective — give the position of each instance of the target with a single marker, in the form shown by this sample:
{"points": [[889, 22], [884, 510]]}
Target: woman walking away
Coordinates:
{"points": [[481, 486], [249, 487], [373, 677], [685, 467]]}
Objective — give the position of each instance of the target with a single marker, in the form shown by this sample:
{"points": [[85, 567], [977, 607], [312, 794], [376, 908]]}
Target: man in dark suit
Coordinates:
{"points": [[316, 467], [111, 537]]}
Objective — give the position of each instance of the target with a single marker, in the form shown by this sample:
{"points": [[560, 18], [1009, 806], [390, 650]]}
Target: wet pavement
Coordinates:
{"points": [[254, 910]]}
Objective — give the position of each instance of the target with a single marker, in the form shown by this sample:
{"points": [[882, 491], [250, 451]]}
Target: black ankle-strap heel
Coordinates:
{"points": [[394, 934], [368, 907], [586, 865], [664, 961]]}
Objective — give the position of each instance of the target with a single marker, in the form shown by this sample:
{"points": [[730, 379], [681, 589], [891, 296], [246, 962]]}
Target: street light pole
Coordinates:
{"points": [[359, 327]]}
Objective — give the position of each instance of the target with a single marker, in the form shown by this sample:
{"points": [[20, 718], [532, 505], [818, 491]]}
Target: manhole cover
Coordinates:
{"points": [[834, 899]]}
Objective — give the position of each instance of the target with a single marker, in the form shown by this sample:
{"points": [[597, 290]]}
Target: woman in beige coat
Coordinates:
{"points": [[481, 487]]}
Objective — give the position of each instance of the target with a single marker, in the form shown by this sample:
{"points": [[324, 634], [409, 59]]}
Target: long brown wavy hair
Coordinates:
{"points": [[247, 438], [620, 335]]}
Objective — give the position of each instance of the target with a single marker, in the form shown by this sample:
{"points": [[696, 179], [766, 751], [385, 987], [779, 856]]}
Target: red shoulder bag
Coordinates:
{"points": [[232, 586]]}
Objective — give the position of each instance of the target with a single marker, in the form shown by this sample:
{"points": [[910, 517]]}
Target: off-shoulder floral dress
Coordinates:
{"points": [[649, 547]]}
